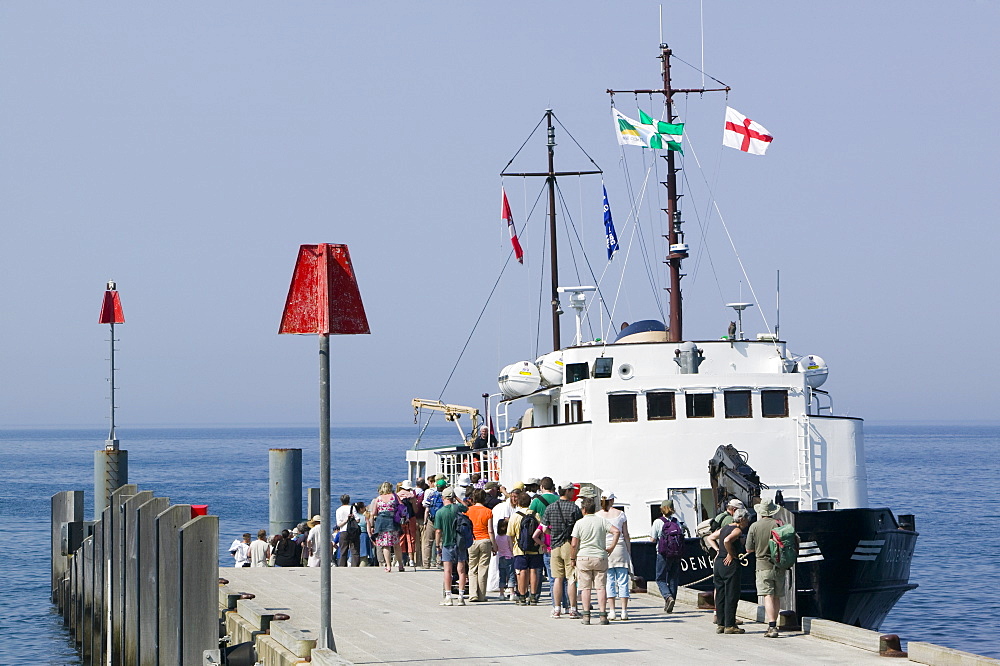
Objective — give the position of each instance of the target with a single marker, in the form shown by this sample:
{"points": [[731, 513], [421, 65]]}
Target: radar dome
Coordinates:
{"points": [[519, 379], [814, 368]]}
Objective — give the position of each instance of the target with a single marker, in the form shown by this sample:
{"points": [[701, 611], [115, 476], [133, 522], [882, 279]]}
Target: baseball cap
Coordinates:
{"points": [[448, 492], [441, 483], [735, 503]]}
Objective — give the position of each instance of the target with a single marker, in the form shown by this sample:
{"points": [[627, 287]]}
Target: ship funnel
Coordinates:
{"points": [[688, 357]]}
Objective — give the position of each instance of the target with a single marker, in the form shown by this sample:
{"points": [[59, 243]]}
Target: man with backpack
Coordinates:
{"points": [[668, 535], [770, 577], [432, 502], [521, 529], [350, 532], [450, 535]]}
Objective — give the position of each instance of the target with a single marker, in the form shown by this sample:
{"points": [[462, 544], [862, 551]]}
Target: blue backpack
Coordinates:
{"points": [[437, 501]]}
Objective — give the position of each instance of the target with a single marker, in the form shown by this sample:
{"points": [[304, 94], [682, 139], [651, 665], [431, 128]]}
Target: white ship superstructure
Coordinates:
{"points": [[628, 417]]}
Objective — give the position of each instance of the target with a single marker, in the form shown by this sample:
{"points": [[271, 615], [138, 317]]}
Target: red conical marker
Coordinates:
{"points": [[111, 309]]}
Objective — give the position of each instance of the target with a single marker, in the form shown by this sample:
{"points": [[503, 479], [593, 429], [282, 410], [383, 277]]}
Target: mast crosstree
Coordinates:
{"points": [[678, 250], [550, 177]]}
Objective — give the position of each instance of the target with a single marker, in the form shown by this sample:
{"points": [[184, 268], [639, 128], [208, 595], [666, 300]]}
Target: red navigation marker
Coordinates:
{"points": [[111, 308], [324, 298]]}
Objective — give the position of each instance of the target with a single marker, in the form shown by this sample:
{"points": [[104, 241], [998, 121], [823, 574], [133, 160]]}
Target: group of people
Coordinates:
{"points": [[536, 531]]}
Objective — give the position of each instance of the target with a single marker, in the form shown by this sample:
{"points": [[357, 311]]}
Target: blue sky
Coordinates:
{"points": [[186, 150]]}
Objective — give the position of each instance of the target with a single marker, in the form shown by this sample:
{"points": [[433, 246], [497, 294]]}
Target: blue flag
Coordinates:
{"points": [[609, 228]]}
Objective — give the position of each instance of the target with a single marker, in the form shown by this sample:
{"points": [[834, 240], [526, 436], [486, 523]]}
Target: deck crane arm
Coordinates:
{"points": [[451, 413]]}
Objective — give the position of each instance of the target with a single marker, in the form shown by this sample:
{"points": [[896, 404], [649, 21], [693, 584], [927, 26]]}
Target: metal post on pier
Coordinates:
{"points": [[285, 489], [324, 299], [111, 462]]}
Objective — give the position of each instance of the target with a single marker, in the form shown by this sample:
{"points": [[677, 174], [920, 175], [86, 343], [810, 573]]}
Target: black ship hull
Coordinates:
{"points": [[853, 565]]}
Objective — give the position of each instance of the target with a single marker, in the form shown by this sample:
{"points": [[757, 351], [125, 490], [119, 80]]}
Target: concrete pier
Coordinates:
{"points": [[381, 618]]}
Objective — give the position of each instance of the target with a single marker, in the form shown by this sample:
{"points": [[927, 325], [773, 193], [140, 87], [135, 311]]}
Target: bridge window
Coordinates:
{"points": [[577, 372], [660, 405], [700, 405], [602, 367], [621, 408], [774, 403], [738, 404]]}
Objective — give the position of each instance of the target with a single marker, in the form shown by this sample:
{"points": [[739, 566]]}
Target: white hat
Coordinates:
{"points": [[736, 504], [532, 481], [566, 485], [607, 494], [406, 485], [464, 480]]}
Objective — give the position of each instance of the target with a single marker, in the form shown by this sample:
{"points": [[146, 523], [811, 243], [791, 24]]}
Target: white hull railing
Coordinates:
{"points": [[485, 462]]}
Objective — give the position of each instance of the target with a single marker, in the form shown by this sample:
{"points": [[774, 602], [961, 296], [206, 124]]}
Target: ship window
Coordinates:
{"points": [[791, 505], [700, 405], [660, 405], [774, 404], [574, 411], [576, 372], [602, 367], [621, 407], [738, 404], [824, 505]]}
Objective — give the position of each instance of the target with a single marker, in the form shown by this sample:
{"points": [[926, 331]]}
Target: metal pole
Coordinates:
{"points": [[285, 489], [676, 324], [112, 442], [553, 254], [326, 521]]}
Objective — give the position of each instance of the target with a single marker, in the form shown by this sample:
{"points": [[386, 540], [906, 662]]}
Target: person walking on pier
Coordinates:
{"points": [[453, 555], [522, 528], [314, 540], [590, 555], [483, 547], [385, 531], [669, 550], [286, 554], [260, 550], [350, 532], [432, 503], [408, 529], [557, 522], [728, 541], [620, 558], [770, 580], [240, 550]]}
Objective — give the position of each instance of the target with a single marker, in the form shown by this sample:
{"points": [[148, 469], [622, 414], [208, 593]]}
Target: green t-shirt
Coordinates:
{"points": [[592, 531], [539, 506], [444, 520]]}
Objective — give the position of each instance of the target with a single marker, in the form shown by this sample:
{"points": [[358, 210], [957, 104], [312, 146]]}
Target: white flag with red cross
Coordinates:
{"points": [[744, 134]]}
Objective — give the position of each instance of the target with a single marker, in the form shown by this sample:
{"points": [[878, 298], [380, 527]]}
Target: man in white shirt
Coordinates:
{"points": [[240, 550], [348, 542], [260, 550]]}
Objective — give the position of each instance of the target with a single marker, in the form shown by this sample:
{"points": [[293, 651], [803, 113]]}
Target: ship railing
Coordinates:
{"points": [[820, 402], [485, 462]]}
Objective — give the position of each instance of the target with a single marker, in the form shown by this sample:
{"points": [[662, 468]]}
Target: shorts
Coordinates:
{"points": [[454, 554], [618, 582], [562, 563], [770, 581], [591, 573], [529, 561]]}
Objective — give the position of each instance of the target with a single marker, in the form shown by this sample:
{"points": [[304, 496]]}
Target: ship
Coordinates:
{"points": [[655, 415]]}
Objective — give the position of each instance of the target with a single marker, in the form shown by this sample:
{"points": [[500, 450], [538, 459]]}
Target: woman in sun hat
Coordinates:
{"points": [[620, 559], [385, 530]]}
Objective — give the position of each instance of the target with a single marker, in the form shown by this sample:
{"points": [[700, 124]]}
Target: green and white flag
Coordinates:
{"points": [[647, 132]]}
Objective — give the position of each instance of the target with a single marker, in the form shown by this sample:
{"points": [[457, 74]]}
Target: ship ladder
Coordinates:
{"points": [[805, 479]]}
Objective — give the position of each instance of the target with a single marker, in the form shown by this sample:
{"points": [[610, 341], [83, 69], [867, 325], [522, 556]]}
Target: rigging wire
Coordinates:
{"points": [[510, 255], [732, 243], [524, 144], [574, 141]]}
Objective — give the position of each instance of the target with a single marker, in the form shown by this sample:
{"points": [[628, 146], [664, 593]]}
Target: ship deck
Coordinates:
{"points": [[394, 618]]}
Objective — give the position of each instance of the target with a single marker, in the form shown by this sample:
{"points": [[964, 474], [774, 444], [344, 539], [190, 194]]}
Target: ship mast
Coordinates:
{"points": [[550, 177], [675, 236]]}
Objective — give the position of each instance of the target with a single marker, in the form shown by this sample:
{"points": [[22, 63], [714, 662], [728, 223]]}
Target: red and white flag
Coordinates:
{"points": [[506, 215], [744, 134]]}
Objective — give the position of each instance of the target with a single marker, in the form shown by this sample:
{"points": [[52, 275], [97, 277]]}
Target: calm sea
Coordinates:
{"points": [[944, 475]]}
